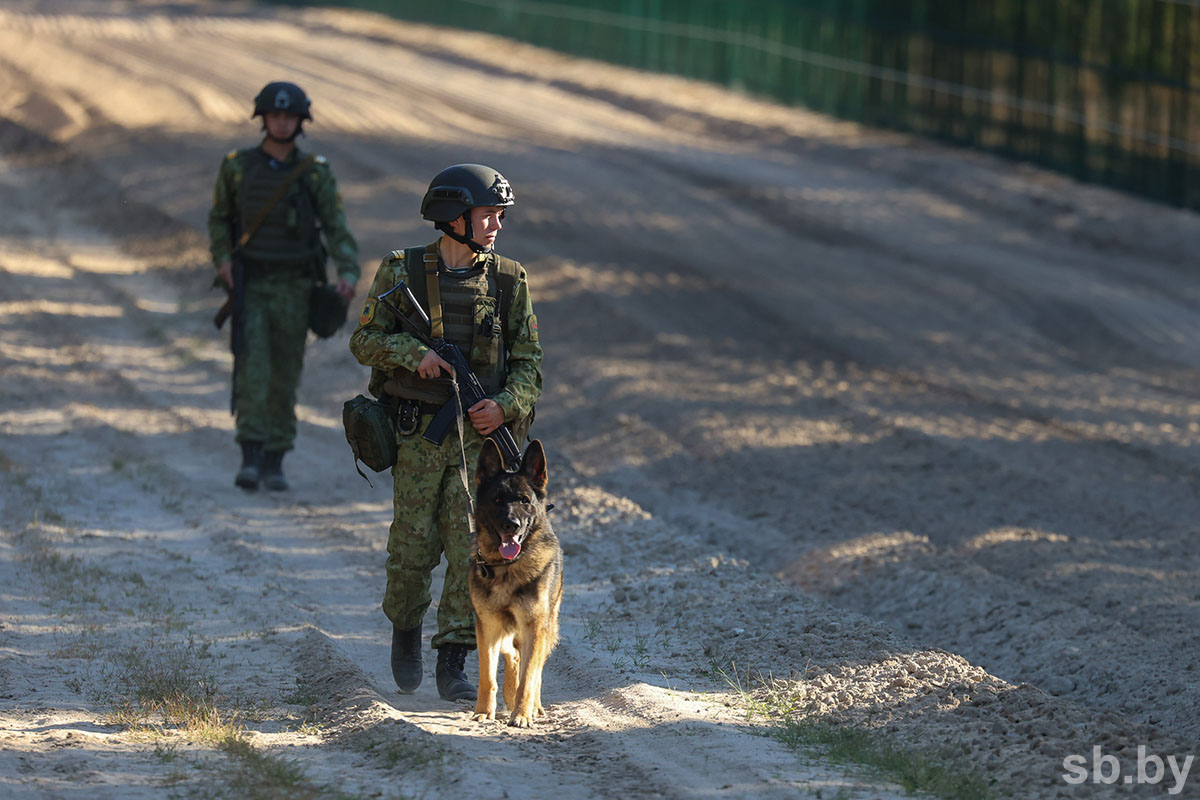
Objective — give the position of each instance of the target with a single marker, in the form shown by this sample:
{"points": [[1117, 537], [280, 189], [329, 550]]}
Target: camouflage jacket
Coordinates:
{"points": [[379, 341], [327, 200]]}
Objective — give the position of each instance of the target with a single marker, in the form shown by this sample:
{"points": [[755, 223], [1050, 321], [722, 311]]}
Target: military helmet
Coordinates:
{"points": [[282, 96], [456, 189]]}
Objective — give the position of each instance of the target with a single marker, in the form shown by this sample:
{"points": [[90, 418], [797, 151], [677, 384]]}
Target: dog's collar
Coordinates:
{"points": [[486, 569]]}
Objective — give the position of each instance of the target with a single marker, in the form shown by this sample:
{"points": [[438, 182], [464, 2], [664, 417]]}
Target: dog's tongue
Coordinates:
{"points": [[510, 550]]}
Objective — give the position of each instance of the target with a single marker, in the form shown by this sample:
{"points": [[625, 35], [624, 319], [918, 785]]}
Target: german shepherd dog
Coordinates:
{"points": [[516, 583]]}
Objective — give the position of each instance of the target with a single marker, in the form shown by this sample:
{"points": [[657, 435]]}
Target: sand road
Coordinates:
{"points": [[913, 426]]}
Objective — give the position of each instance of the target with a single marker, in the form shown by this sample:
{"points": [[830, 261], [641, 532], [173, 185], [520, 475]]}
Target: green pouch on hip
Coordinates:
{"points": [[371, 433]]}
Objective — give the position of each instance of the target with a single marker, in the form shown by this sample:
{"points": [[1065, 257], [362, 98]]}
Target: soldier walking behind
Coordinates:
{"points": [[479, 301], [271, 205]]}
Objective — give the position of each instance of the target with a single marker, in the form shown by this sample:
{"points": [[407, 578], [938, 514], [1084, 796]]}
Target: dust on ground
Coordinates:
{"points": [[908, 432]]}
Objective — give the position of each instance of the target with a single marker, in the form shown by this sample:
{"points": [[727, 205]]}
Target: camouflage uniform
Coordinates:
{"points": [[281, 261], [432, 496]]}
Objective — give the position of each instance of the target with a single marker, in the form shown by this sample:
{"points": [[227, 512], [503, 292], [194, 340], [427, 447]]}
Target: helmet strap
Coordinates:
{"points": [[467, 239]]}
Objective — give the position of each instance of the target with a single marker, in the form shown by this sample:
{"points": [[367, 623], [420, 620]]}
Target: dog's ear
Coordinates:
{"points": [[491, 463], [533, 464]]}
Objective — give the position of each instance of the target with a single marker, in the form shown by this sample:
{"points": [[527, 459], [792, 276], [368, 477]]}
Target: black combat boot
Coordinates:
{"points": [[406, 658], [249, 475], [272, 470], [452, 681]]}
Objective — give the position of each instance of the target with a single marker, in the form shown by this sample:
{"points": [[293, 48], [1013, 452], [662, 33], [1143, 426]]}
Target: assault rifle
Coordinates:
{"points": [[234, 306], [470, 391]]}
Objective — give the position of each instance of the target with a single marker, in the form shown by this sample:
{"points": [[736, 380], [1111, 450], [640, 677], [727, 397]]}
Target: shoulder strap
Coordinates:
{"points": [[251, 229], [505, 270], [433, 293]]}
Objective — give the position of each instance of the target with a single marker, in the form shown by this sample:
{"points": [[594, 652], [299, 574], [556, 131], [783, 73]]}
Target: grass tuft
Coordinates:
{"points": [[201, 721], [160, 687], [261, 775], [770, 699], [915, 771]]}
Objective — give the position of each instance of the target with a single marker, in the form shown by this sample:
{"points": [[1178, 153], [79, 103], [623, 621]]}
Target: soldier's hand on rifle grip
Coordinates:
{"points": [[432, 364], [225, 273], [486, 416]]}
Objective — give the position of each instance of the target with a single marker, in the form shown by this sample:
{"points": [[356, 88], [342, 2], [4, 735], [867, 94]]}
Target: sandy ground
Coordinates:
{"points": [[912, 427]]}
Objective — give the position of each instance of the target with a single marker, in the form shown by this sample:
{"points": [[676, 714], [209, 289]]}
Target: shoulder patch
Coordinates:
{"points": [[320, 160], [368, 312], [396, 255], [533, 328], [231, 155]]}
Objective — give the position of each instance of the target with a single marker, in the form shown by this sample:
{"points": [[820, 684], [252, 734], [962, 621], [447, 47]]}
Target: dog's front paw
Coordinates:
{"points": [[482, 713], [520, 720]]}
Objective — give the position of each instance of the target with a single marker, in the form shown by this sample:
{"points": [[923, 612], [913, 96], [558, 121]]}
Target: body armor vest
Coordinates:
{"points": [[471, 318], [289, 234]]}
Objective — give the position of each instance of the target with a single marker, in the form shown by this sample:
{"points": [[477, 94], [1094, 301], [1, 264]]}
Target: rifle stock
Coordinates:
{"points": [[223, 312], [234, 306]]}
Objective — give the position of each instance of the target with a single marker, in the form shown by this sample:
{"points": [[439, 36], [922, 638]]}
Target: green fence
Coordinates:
{"points": [[1105, 90]]}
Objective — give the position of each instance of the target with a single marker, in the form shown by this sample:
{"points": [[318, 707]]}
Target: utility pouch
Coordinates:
{"points": [[408, 418], [370, 433], [488, 334]]}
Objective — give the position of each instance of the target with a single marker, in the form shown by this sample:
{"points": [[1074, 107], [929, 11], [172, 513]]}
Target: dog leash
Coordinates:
{"points": [[462, 454]]}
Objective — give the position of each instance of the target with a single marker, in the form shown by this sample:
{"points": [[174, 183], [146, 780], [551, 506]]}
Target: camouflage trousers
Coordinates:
{"points": [[275, 331], [432, 516]]}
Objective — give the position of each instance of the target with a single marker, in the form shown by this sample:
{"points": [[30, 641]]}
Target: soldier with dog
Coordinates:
{"points": [[479, 301]]}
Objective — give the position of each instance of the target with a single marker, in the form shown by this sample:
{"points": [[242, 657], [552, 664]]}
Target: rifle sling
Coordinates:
{"points": [[297, 171]]}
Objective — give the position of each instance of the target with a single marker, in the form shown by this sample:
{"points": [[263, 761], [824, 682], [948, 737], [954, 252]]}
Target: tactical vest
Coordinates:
{"points": [[474, 316], [289, 234]]}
